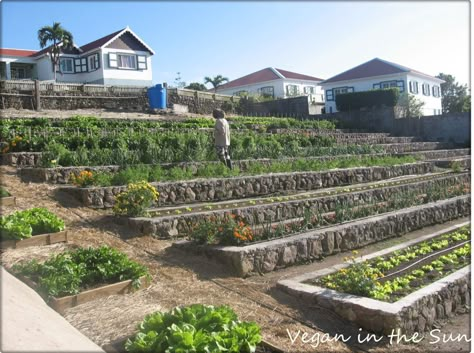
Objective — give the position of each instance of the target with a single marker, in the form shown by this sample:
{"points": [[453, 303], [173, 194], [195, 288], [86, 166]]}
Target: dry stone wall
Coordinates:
{"points": [[208, 190], [280, 253]]}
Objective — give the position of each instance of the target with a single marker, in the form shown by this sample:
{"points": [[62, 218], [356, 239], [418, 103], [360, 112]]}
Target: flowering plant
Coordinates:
{"points": [[11, 146], [83, 179], [228, 230], [136, 199]]}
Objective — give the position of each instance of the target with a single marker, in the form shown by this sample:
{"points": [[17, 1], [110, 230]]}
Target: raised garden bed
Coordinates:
{"points": [[5, 198], [81, 275], [313, 245], [36, 240], [317, 208], [437, 299], [210, 190], [62, 175]]}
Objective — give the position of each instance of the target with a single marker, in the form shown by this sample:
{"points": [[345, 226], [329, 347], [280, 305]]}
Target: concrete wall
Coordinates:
{"points": [[200, 102]]}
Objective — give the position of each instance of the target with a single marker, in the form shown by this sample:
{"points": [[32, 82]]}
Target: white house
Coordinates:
{"points": [[275, 83], [120, 58], [379, 74]]}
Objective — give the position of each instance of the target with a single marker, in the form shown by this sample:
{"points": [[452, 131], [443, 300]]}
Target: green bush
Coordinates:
{"points": [[367, 99], [4, 192], [195, 328], [135, 200]]}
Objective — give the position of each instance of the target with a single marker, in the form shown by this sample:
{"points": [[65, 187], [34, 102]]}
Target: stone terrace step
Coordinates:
{"points": [[275, 254], [276, 210]]}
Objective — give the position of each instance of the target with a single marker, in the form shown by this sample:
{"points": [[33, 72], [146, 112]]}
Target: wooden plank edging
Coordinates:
{"points": [[36, 240], [8, 201]]}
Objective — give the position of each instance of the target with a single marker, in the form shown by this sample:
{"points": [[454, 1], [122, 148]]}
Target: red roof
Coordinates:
{"points": [[264, 75], [99, 42], [17, 52], [294, 75], [374, 67]]}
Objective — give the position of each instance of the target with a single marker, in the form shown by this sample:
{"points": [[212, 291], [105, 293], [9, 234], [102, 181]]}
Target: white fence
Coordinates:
{"points": [[27, 85]]}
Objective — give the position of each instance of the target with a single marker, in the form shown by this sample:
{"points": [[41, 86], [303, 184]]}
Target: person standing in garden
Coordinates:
{"points": [[222, 137]]}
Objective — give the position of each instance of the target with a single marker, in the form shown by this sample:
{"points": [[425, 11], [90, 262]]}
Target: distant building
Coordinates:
{"points": [[378, 74], [275, 83], [120, 58]]}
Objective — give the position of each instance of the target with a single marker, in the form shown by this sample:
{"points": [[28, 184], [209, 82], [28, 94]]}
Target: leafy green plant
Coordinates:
{"points": [[195, 328], [4, 192], [136, 199], [76, 270], [24, 224]]}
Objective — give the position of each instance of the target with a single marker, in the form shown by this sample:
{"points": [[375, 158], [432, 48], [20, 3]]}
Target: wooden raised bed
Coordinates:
{"points": [[63, 303], [36, 240], [124, 287], [8, 201]]}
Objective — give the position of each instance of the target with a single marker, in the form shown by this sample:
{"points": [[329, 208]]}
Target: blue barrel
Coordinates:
{"points": [[157, 97]]}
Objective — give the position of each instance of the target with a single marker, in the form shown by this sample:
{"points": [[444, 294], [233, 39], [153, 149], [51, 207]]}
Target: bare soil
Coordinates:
{"points": [[180, 279]]}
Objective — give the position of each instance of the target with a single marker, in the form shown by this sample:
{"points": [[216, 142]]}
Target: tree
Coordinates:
{"points": [[216, 81], [59, 37], [409, 106], [454, 96], [177, 81], [196, 86]]}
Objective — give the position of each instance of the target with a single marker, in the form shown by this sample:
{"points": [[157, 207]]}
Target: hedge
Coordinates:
{"points": [[367, 99]]}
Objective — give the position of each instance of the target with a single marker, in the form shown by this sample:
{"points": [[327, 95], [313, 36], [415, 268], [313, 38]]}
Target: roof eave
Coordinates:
{"points": [[127, 29]]}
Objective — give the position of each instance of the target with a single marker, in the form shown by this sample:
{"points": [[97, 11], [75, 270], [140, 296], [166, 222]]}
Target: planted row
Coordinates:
{"points": [[242, 229], [157, 173], [369, 278]]}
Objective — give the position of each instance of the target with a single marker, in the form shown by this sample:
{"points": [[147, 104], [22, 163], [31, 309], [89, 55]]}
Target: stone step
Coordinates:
{"points": [[275, 211]]}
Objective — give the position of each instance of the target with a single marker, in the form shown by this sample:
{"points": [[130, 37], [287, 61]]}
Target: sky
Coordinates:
{"points": [[233, 39]]}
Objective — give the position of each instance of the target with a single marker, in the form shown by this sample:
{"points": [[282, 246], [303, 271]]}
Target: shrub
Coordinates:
{"points": [[4, 192], [229, 230], [135, 200], [195, 328], [84, 179], [367, 99]]}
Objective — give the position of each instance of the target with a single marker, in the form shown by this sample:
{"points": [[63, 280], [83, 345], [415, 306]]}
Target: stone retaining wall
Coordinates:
{"points": [[280, 253], [416, 312], [31, 159], [173, 225], [61, 175], [209, 190]]}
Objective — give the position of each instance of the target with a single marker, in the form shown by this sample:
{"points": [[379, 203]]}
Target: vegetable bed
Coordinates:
{"points": [[421, 283], [35, 226], [77, 276], [398, 274]]}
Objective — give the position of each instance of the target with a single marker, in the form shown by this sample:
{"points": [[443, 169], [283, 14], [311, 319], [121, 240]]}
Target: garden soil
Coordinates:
{"points": [[180, 279]]}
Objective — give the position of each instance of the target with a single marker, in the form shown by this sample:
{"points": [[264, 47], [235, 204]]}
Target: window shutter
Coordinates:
{"points": [[350, 89], [410, 84], [84, 64], [141, 62], [113, 60], [400, 86], [97, 61], [77, 65], [376, 86]]}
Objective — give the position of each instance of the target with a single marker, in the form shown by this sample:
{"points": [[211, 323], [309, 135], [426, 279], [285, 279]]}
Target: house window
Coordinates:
{"points": [[292, 90], [436, 92], [18, 73], [329, 95], [66, 65], [309, 90], [426, 89], [390, 84], [342, 90], [266, 91], [414, 87], [93, 62], [240, 93], [127, 61]]}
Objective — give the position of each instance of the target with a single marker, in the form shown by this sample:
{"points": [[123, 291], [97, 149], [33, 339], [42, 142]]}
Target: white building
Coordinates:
{"points": [[379, 74], [275, 83], [120, 58]]}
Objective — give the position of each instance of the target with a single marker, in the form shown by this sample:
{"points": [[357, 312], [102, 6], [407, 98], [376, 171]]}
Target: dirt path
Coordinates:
{"points": [[180, 279]]}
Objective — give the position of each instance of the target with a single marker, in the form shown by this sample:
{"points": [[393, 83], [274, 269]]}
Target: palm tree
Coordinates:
{"points": [[216, 81], [58, 36]]}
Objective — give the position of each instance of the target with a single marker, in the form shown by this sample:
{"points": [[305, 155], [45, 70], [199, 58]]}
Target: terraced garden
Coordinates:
{"points": [[145, 209]]}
